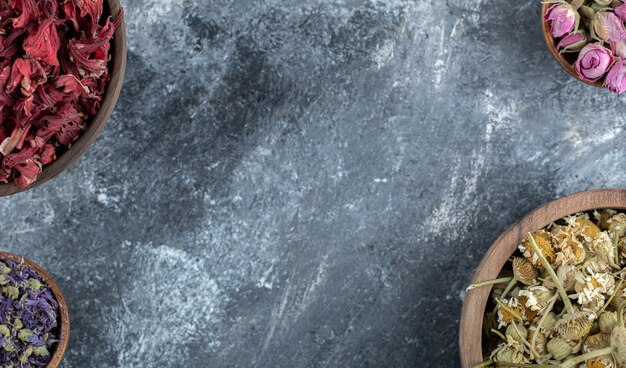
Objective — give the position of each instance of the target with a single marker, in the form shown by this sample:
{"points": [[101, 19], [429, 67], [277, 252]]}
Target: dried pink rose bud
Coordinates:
{"points": [[619, 49], [593, 62], [562, 18], [609, 27], [620, 11], [572, 42], [615, 80]]}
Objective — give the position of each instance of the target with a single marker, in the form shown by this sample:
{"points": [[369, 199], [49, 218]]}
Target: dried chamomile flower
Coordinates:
{"points": [[524, 271], [544, 243], [539, 342], [617, 224], [549, 321], [596, 341], [508, 311], [618, 298], [607, 322], [601, 362], [618, 341], [535, 297], [591, 289], [603, 216], [602, 247], [567, 276], [576, 325], [507, 354], [516, 334], [571, 251], [582, 226], [559, 348]]}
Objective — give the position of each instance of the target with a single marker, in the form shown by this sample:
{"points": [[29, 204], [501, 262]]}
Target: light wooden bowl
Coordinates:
{"points": [[117, 67], [470, 335], [63, 318], [566, 61]]}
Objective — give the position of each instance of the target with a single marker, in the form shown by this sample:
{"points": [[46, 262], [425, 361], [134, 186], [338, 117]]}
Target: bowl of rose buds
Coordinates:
{"points": [[551, 290], [61, 71], [34, 320], [588, 39]]}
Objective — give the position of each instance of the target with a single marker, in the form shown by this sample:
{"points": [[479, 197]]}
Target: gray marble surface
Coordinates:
{"points": [[290, 183]]}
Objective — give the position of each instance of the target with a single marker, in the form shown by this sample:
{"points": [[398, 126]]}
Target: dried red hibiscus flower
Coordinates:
{"points": [[53, 75]]}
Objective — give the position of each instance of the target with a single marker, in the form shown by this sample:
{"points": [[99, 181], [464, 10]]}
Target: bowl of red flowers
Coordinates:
{"points": [[588, 40], [62, 66], [34, 320]]}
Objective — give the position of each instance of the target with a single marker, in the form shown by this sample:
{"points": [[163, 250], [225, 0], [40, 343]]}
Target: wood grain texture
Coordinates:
{"points": [[470, 336], [64, 318], [94, 128], [560, 58]]}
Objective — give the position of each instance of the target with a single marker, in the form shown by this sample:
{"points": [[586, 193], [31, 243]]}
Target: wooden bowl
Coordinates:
{"points": [[64, 318], [470, 336], [117, 67], [566, 61]]}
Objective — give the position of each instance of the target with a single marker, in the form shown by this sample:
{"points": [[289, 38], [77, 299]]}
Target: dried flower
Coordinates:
{"points": [[593, 62], [516, 335], [28, 318], [602, 247], [609, 27], [544, 242], [617, 224], [548, 324], [615, 81], [509, 311], [573, 42], [602, 217], [620, 11], [524, 271], [507, 354], [538, 321], [54, 59], [575, 326], [562, 18], [592, 288], [607, 322], [559, 348], [595, 342]]}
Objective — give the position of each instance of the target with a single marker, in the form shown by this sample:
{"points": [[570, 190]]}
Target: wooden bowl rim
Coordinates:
{"points": [[111, 95], [551, 43], [64, 318], [470, 327]]}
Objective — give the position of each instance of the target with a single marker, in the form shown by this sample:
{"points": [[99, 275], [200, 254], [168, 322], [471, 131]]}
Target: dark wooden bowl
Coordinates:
{"points": [[117, 67], [64, 317], [566, 61], [470, 336]]}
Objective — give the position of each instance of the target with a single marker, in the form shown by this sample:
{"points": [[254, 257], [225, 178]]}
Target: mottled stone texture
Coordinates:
{"points": [[290, 183]]}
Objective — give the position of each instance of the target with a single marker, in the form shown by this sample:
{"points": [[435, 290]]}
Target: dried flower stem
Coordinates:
{"points": [[507, 364], [555, 278], [501, 280], [608, 301], [549, 307], [506, 291], [531, 347], [615, 243], [484, 364], [499, 334], [620, 313], [511, 311], [593, 354]]}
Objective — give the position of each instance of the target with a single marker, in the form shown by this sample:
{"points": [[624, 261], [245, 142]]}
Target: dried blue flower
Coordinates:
{"points": [[28, 317]]}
